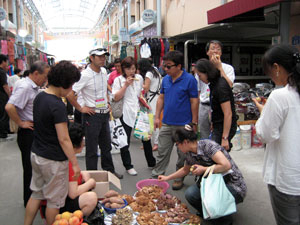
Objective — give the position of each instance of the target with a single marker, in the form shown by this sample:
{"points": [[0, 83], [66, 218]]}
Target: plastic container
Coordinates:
{"points": [[148, 182], [110, 211], [256, 142], [236, 140], [246, 136]]}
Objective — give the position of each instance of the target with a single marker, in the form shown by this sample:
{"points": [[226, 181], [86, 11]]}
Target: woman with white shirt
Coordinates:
{"points": [[152, 90], [129, 87], [279, 127]]}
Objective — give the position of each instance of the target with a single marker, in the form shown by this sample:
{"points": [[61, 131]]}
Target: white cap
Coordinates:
{"points": [[99, 51]]}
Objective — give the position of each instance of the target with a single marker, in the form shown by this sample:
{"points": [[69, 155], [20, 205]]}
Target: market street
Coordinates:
{"points": [[255, 210]]}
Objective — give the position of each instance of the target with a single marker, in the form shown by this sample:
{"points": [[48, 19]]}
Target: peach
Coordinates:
{"points": [[63, 222], [84, 224], [74, 220], [78, 213], [56, 222], [58, 217], [66, 215]]}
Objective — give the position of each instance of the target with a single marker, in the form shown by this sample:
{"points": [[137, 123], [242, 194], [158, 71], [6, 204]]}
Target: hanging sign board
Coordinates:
{"points": [[2, 14], [28, 38], [148, 15]]}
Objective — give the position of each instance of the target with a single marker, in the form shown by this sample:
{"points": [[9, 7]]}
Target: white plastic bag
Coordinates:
{"points": [[118, 134]]}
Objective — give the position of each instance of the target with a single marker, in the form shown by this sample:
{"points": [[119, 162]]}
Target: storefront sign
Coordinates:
{"points": [[134, 28], [150, 31], [123, 34], [2, 14], [114, 37], [148, 15], [29, 38], [123, 31]]}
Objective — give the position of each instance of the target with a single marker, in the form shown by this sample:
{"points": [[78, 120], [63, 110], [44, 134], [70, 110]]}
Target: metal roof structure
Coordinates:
{"points": [[69, 16]]}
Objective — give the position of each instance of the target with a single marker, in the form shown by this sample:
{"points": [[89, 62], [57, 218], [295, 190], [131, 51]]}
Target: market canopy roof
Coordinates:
{"points": [[69, 15]]}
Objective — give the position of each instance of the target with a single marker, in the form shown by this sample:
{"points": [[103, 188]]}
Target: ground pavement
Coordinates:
{"points": [[255, 210]]}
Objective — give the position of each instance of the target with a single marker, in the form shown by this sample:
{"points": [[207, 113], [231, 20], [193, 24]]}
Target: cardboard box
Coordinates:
{"points": [[103, 181]]}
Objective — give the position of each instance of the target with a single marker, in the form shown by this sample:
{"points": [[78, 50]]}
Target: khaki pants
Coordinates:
{"points": [[165, 147]]}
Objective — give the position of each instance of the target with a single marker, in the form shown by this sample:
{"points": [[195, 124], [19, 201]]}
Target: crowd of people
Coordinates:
{"points": [[182, 103]]}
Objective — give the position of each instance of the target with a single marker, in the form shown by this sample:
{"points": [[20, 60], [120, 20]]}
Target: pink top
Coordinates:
{"points": [[114, 74]]}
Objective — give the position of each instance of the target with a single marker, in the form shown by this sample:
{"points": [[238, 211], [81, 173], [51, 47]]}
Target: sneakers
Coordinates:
{"points": [[132, 172], [120, 176], [177, 185]]}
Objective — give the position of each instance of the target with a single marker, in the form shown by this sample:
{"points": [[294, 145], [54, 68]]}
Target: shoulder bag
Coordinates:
{"points": [[217, 200], [117, 106]]}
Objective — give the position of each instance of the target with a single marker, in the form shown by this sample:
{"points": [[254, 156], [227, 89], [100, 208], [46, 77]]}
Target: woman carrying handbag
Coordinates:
{"points": [[200, 155], [128, 87]]}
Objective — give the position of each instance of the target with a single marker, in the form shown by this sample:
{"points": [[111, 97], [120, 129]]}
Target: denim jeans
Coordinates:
{"points": [[286, 208], [192, 195]]}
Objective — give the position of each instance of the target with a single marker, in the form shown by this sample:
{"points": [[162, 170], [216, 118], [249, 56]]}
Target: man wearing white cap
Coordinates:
{"points": [[95, 111]]}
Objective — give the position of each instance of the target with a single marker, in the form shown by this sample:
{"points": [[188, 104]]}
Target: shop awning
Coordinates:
{"points": [[239, 11]]}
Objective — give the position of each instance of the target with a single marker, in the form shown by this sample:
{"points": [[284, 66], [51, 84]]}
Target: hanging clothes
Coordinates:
{"points": [[4, 49], [130, 50], [162, 51], [167, 45], [145, 50]]}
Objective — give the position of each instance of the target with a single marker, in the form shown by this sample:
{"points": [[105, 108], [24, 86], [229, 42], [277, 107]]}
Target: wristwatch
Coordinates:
{"points": [[225, 138]]}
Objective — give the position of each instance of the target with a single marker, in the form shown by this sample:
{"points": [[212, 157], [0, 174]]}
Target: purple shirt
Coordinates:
{"points": [[22, 98]]}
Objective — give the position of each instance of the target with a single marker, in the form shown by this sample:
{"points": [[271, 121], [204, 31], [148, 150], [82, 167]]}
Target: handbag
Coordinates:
{"points": [[117, 106], [217, 201], [96, 217], [143, 126]]}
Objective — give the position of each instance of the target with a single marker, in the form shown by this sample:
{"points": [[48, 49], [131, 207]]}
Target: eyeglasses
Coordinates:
{"points": [[169, 66]]}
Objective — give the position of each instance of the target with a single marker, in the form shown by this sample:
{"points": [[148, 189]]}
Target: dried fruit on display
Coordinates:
{"points": [[179, 214], [194, 220], [123, 217], [167, 201], [143, 204], [154, 191], [151, 218], [128, 198]]}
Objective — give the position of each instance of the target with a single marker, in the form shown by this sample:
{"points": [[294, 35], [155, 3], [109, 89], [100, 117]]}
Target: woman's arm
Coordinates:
{"points": [[121, 92], [178, 174], [226, 108], [222, 164], [85, 175], [147, 85], [67, 147], [76, 190]]}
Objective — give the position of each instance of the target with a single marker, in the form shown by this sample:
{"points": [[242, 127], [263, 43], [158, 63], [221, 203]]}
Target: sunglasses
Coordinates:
{"points": [[169, 66]]}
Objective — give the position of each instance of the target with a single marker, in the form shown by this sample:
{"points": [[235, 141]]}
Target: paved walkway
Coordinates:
{"points": [[255, 210]]}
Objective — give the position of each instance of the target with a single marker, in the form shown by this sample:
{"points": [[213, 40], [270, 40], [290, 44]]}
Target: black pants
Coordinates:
{"points": [[4, 119], [218, 132], [77, 116], [97, 132], [125, 154], [24, 140]]}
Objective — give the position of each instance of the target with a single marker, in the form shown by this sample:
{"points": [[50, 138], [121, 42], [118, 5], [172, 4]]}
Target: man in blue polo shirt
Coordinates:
{"points": [[179, 102]]}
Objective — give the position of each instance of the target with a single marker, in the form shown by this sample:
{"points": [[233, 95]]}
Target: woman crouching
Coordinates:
{"points": [[199, 156]]}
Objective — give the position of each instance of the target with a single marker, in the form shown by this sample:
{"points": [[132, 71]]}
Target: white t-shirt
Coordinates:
{"points": [[278, 126], [131, 101], [11, 81], [154, 88], [204, 88], [93, 86]]}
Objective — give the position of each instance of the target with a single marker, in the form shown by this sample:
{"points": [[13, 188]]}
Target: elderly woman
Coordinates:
{"points": [[129, 86], [278, 126], [222, 103], [202, 154]]}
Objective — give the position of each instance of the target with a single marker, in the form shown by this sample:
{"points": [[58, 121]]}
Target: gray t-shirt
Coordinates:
{"points": [[206, 150]]}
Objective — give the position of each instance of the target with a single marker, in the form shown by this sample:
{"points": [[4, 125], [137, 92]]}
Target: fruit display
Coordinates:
{"points": [[143, 204], [67, 218]]}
